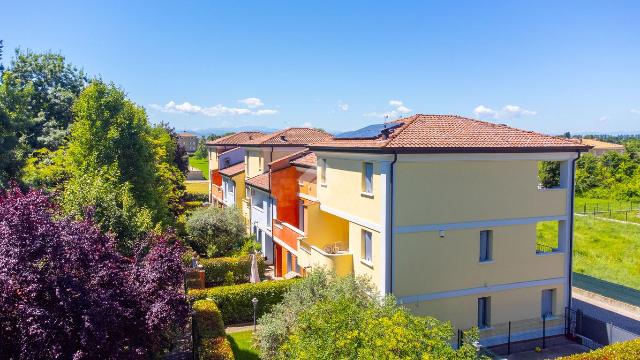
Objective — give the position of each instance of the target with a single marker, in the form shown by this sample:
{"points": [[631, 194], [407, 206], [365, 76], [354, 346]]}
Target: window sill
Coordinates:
{"points": [[486, 262], [549, 253], [367, 263], [366, 194]]}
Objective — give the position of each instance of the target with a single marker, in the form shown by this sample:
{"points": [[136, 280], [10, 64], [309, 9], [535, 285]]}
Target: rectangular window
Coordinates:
{"points": [[366, 245], [269, 212], [367, 178], [323, 171], [548, 297], [484, 312], [548, 236], [486, 245], [301, 215]]}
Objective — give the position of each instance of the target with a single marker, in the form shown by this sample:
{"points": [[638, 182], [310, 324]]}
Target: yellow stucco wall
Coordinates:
{"points": [[257, 159], [240, 189], [425, 263], [459, 191], [343, 188], [324, 229], [510, 305], [213, 158]]}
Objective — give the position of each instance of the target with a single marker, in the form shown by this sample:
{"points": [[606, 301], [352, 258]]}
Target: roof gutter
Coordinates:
{"points": [[391, 211], [571, 225]]}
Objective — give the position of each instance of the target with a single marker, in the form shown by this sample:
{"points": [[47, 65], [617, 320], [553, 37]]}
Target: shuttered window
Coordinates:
{"points": [[484, 312], [486, 245]]}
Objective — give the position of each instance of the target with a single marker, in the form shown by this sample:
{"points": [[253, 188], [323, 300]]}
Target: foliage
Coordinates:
{"points": [[67, 293], [201, 149], [9, 164], [217, 348], [235, 301], [171, 178], [549, 174], [208, 319], [216, 269], [325, 316], [215, 231], [180, 156], [610, 176], [628, 350]]}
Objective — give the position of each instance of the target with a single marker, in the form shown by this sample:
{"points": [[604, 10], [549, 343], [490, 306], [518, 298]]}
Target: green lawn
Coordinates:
{"points": [[603, 249], [242, 345], [201, 164], [613, 209], [199, 187]]}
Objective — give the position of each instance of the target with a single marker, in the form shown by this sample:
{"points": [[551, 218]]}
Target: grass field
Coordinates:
{"points": [[197, 187], [242, 345], [200, 164], [612, 209], [603, 249]]}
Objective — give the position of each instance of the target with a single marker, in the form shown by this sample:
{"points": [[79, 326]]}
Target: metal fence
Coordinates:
{"points": [[592, 332]]}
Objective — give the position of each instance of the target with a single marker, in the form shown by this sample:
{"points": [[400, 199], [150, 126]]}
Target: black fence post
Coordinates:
{"points": [[509, 340], [460, 335]]}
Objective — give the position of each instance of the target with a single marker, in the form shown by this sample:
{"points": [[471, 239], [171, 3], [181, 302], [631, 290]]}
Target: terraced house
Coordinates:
{"points": [[442, 212]]}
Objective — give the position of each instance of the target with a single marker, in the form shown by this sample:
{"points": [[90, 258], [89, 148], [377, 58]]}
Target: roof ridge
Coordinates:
{"points": [[406, 122]]}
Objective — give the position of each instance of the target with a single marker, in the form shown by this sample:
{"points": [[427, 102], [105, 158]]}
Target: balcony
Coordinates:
{"points": [[216, 193], [287, 233], [333, 257]]}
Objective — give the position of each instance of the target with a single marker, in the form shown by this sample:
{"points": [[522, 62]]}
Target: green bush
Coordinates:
{"points": [[235, 301], [628, 350], [208, 319], [216, 349], [212, 342], [214, 231], [216, 269]]}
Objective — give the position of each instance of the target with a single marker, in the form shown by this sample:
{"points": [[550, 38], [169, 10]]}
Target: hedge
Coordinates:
{"points": [[628, 350], [211, 341], [235, 301], [217, 268]]}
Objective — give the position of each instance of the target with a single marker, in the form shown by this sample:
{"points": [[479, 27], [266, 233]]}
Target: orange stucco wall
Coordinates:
{"points": [[216, 178], [284, 188]]}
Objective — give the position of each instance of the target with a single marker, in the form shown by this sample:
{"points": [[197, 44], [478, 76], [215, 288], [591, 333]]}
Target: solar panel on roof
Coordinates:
{"points": [[368, 132]]}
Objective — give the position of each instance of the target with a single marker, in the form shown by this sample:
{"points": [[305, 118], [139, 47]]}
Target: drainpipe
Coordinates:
{"points": [[571, 225], [391, 179]]}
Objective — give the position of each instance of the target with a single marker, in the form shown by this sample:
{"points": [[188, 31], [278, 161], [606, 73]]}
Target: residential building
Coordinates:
{"points": [[441, 211], [188, 141], [599, 148], [223, 153], [259, 207]]}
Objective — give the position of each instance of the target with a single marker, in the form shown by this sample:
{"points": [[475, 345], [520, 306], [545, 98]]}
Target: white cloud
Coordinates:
{"points": [[400, 109], [251, 102], [604, 118], [342, 106], [635, 111], [216, 110], [507, 112], [307, 124]]}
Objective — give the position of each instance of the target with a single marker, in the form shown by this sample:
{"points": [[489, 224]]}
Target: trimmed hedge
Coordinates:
{"points": [[235, 301], [212, 342], [628, 350], [217, 268]]}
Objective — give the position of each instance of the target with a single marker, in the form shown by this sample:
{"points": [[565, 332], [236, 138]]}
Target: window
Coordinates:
{"points": [[323, 171], [367, 178], [549, 174], [366, 245], [548, 236], [301, 215], [289, 262], [227, 162], [548, 297], [484, 312], [486, 245]]}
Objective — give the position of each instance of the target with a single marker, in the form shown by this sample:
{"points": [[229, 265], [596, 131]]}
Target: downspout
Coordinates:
{"points": [[571, 225], [391, 179]]}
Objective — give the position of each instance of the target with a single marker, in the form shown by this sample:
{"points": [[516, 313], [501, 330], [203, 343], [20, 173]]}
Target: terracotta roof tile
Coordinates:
{"points": [[237, 138], [597, 144], [290, 137], [452, 133], [309, 160], [233, 170], [261, 181]]}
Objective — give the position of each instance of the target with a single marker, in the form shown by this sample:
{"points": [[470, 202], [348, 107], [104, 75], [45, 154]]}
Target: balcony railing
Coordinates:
{"points": [[287, 233], [216, 193], [340, 261]]}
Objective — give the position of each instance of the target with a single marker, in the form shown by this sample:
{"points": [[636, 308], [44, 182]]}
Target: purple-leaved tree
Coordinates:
{"points": [[66, 293]]}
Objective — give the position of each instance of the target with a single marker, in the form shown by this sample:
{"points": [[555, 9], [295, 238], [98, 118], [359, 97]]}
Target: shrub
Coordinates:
{"points": [[212, 343], [216, 269], [235, 301], [628, 350], [208, 319], [214, 231], [216, 349]]}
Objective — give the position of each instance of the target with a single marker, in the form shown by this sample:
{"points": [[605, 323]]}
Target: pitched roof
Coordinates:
{"points": [[261, 181], [236, 138], [186, 134], [602, 145], [233, 170], [308, 160], [452, 134], [290, 137]]}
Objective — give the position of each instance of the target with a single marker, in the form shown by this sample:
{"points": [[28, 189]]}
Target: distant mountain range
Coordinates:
{"points": [[221, 131]]}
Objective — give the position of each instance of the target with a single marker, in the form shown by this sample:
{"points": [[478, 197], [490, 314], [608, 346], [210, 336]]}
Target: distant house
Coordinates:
{"points": [[188, 141], [601, 147]]}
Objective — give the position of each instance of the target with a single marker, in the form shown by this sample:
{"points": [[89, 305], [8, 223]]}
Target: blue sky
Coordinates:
{"points": [[550, 66]]}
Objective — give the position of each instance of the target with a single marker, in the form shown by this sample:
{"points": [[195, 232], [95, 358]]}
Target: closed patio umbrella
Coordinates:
{"points": [[255, 276]]}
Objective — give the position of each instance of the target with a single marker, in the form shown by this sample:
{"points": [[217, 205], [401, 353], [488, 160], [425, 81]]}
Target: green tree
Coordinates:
{"points": [[329, 317], [201, 149], [214, 231], [549, 174], [9, 164]]}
